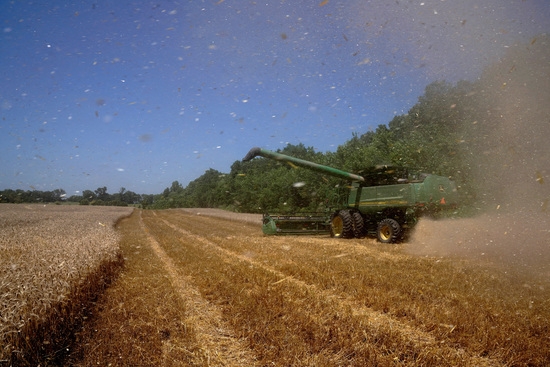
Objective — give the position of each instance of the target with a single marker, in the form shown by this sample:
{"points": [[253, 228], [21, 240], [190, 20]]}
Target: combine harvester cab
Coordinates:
{"points": [[385, 202]]}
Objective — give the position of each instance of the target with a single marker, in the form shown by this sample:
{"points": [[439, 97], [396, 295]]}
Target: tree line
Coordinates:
{"points": [[438, 135], [477, 133], [100, 196]]}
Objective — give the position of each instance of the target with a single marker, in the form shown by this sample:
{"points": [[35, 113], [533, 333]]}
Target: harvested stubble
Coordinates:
{"points": [[53, 262], [315, 301], [204, 291]]}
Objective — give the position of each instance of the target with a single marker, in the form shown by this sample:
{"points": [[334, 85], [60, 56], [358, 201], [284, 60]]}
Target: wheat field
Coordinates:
{"points": [[85, 286], [54, 259]]}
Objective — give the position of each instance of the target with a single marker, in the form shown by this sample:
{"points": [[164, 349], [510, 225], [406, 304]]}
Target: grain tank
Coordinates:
{"points": [[382, 201]]}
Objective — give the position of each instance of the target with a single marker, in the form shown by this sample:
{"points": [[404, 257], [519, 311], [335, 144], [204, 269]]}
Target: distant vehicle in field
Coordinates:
{"points": [[383, 201]]}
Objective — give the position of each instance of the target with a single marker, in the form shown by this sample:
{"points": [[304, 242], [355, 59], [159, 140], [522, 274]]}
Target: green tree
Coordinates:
{"points": [[88, 195], [101, 193]]}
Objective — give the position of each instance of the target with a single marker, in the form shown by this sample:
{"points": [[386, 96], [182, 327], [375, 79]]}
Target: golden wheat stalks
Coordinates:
{"points": [[49, 256]]}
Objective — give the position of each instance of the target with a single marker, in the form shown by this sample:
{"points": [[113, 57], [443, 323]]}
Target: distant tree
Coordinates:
{"points": [[74, 198], [176, 187], [89, 195], [131, 197], [101, 193], [147, 200]]}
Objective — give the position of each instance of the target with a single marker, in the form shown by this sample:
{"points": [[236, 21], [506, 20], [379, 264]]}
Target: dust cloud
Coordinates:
{"points": [[503, 239], [510, 160]]}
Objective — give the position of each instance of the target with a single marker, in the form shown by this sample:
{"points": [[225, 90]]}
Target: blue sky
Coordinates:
{"points": [[138, 94]]}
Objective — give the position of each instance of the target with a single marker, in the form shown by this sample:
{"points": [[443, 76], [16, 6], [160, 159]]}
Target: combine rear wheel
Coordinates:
{"points": [[389, 231], [358, 224], [341, 225]]}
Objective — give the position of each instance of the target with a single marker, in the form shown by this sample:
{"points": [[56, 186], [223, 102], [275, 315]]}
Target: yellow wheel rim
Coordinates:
{"points": [[385, 232], [337, 226]]}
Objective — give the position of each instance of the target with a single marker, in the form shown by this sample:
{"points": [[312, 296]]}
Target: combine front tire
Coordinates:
{"points": [[341, 225], [389, 231]]}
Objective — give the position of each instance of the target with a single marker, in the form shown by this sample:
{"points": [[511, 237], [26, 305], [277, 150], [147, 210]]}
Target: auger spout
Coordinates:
{"points": [[255, 152]]}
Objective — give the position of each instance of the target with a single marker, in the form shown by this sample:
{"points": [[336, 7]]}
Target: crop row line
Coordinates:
{"points": [[206, 317], [372, 321]]}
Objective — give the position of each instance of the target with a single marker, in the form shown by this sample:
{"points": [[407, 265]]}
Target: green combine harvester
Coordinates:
{"points": [[385, 202]]}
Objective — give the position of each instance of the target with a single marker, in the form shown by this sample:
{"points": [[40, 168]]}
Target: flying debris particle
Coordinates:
{"points": [[534, 40], [284, 36], [100, 102], [292, 165], [540, 179], [145, 138], [323, 3], [298, 184], [120, 169]]}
